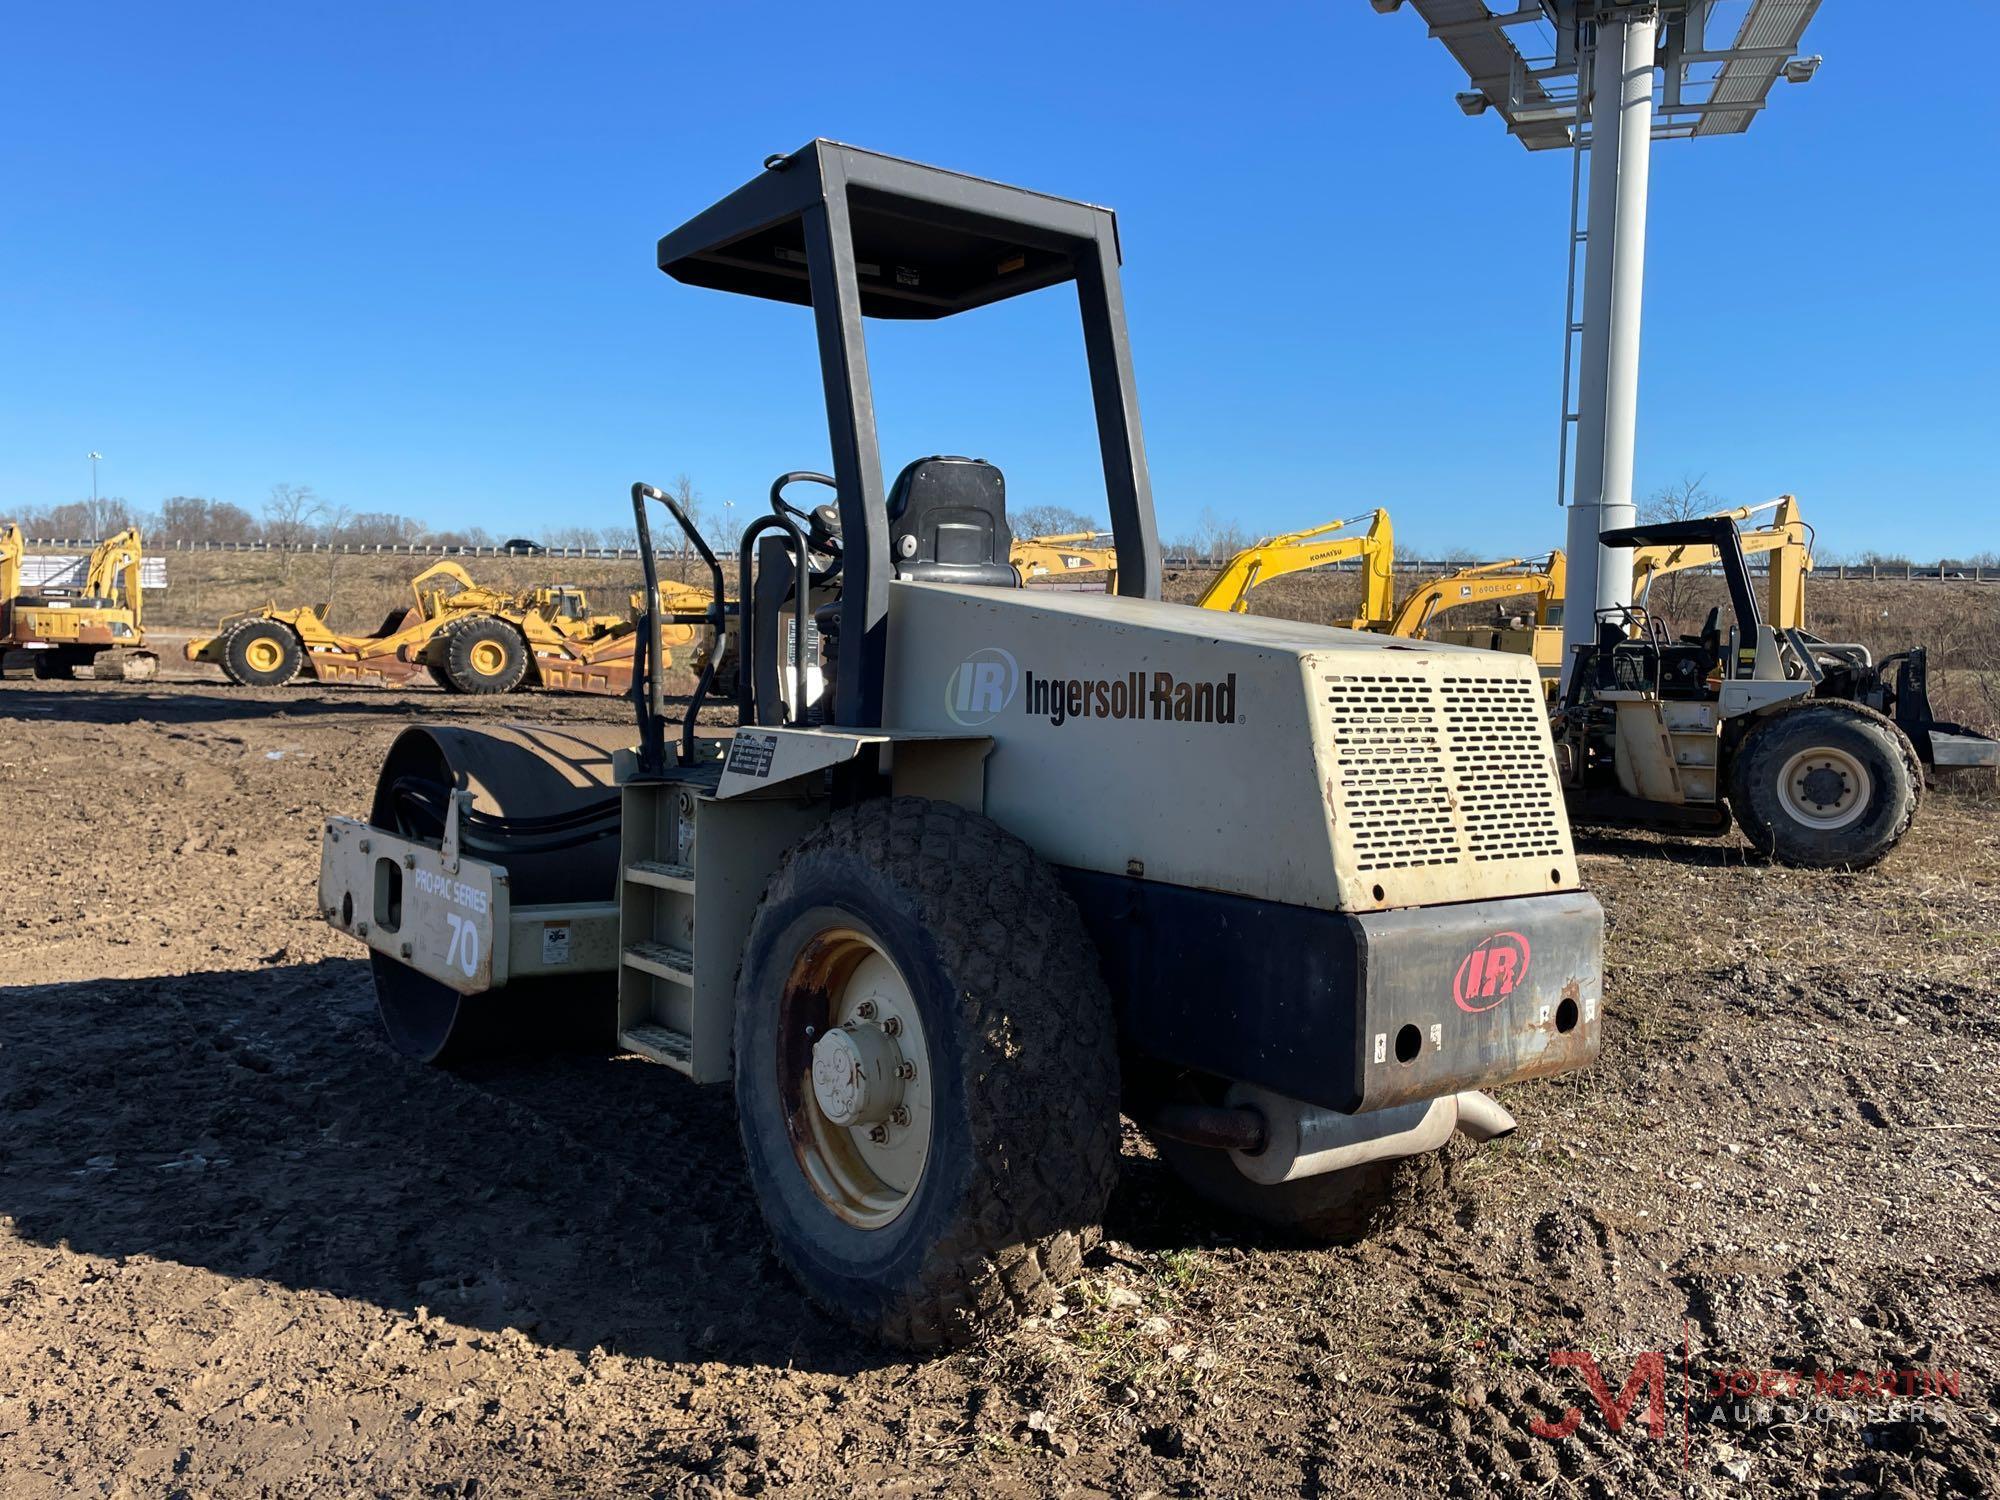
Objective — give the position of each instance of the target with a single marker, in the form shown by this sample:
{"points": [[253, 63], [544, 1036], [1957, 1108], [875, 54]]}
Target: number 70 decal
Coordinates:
{"points": [[464, 950]]}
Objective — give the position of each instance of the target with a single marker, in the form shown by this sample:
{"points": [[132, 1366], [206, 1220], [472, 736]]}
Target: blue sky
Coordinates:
{"points": [[404, 253]]}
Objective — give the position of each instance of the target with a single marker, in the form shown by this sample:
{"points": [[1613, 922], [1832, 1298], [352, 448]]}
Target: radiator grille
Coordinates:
{"points": [[1442, 770], [1507, 797]]}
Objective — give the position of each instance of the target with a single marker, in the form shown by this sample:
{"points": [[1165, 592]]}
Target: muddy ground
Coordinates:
{"points": [[244, 1250]]}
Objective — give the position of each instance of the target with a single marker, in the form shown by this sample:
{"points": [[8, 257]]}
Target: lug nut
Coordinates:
{"points": [[899, 1116], [866, 1010], [893, 1026], [907, 1070], [878, 1134]]}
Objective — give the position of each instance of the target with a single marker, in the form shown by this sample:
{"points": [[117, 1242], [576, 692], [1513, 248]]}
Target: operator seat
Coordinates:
{"points": [[948, 523]]}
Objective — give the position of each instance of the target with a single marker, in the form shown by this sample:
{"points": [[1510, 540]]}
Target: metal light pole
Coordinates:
{"points": [[1621, 138], [94, 457], [1607, 57]]}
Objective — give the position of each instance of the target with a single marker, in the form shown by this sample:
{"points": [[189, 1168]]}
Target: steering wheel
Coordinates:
{"points": [[821, 523]]}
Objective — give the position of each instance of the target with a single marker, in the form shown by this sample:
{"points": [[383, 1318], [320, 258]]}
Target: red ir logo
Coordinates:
{"points": [[1487, 975]]}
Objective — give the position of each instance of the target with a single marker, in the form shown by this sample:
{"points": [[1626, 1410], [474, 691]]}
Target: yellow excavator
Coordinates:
{"points": [[96, 624], [1068, 552], [1298, 551], [1785, 538]]}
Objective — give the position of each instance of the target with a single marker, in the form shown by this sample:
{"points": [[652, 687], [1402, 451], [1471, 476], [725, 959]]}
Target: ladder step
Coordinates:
{"points": [[659, 873], [662, 1044], [661, 959]]}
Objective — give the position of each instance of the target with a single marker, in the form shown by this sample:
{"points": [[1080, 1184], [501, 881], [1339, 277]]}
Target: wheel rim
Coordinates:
{"points": [[263, 654], [1825, 788], [488, 658], [852, 1047]]}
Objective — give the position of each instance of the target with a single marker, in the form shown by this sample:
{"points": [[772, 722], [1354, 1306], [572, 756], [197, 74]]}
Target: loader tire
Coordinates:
{"points": [[441, 677], [971, 1213], [1825, 785], [1332, 1208], [483, 655], [260, 653]]}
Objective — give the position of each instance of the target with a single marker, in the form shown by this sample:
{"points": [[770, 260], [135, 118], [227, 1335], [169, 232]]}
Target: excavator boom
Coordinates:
{"points": [[1299, 551], [1068, 552]]}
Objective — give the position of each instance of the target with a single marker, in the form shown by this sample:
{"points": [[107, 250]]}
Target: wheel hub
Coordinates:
{"points": [[860, 1103], [857, 1074], [488, 659], [1825, 788]]}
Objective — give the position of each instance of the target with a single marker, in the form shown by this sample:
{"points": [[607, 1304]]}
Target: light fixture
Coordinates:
{"points": [[1472, 101], [1801, 69]]}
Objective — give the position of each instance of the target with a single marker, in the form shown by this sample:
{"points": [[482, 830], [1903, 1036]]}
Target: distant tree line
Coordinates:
{"points": [[292, 517], [295, 516]]}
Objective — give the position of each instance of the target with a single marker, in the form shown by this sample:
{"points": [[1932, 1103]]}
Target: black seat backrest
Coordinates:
{"points": [[948, 523]]}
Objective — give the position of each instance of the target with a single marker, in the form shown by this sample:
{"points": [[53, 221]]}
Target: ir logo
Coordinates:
{"points": [[1490, 972], [983, 685]]}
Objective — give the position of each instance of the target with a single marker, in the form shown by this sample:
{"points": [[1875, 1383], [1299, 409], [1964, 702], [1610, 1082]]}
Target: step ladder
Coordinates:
{"points": [[1695, 741], [656, 916]]}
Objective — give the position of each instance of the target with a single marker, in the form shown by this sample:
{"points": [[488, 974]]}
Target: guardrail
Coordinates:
{"points": [[1940, 572]]}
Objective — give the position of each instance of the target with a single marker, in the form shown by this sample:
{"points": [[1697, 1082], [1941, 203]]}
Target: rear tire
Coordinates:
{"points": [[260, 653], [1825, 785], [483, 656], [921, 906]]}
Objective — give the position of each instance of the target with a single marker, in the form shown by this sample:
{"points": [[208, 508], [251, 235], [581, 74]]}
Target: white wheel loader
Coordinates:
{"points": [[1305, 895]]}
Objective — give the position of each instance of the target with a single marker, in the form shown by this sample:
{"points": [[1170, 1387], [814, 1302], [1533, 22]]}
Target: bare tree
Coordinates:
{"points": [[79, 520], [1051, 520], [1683, 501], [334, 521], [292, 517], [1220, 536], [189, 518]]}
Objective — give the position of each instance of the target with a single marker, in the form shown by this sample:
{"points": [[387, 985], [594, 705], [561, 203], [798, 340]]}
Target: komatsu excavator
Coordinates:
{"points": [[1784, 539], [95, 624], [1299, 551]]}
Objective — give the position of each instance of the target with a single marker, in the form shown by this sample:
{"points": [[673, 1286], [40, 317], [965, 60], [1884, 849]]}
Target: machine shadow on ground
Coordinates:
{"points": [[255, 1125], [1667, 847], [96, 704]]}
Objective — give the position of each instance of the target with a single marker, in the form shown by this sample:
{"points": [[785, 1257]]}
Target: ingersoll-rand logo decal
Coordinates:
{"points": [[983, 685], [987, 682], [1491, 972]]}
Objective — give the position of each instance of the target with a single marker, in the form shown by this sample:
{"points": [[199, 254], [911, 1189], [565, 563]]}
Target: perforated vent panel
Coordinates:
{"points": [[1440, 770]]}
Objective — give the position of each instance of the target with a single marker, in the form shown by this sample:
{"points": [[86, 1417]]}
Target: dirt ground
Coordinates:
{"points": [[245, 1250]]}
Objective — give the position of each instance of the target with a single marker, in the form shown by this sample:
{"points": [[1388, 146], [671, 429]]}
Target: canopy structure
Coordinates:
{"points": [[854, 234]]}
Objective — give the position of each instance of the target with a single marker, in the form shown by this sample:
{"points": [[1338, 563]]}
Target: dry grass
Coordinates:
{"points": [[361, 588]]}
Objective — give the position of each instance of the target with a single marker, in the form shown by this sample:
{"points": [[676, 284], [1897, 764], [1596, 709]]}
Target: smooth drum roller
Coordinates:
{"points": [[544, 805]]}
